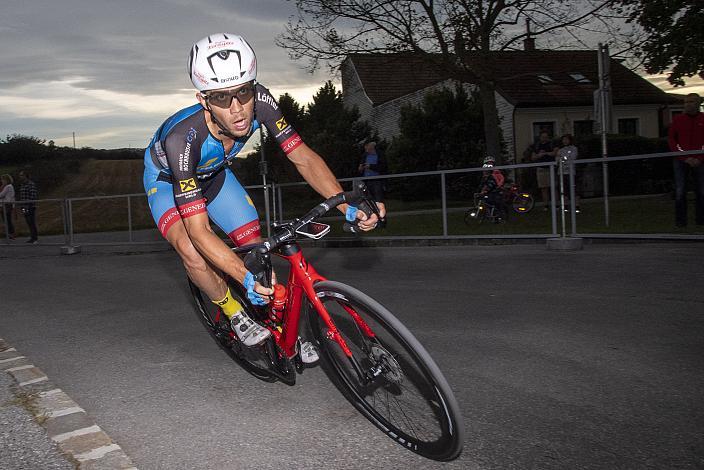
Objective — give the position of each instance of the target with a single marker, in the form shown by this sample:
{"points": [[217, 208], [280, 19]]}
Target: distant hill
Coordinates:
{"points": [[101, 178]]}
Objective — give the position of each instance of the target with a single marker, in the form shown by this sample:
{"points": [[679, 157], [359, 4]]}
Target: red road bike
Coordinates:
{"points": [[370, 356]]}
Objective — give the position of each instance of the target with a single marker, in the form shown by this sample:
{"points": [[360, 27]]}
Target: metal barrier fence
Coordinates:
{"points": [[444, 198]]}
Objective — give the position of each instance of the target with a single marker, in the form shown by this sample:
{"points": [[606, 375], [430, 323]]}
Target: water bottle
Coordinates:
{"points": [[278, 305]]}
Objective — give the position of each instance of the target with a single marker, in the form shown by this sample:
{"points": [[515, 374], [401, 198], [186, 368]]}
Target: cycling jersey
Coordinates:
{"points": [[186, 171]]}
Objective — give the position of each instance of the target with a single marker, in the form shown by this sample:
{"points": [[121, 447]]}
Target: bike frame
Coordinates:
{"points": [[301, 279]]}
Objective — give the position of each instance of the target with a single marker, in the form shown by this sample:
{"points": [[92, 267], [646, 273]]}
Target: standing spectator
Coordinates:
{"points": [[28, 192], [373, 163], [568, 154], [687, 133], [543, 151], [7, 198]]}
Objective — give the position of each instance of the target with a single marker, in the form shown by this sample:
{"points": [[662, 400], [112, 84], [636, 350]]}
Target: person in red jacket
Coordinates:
{"points": [[687, 133]]}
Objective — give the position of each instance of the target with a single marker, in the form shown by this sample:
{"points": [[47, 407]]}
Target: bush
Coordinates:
{"points": [[648, 176]]}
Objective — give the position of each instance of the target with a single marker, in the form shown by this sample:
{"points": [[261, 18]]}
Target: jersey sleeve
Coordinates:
{"points": [[269, 114], [182, 148]]}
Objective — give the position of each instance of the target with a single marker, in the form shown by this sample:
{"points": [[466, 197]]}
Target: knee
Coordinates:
{"points": [[192, 259]]}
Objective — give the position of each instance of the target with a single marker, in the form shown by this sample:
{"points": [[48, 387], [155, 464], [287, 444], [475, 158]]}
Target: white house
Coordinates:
{"points": [[535, 90]]}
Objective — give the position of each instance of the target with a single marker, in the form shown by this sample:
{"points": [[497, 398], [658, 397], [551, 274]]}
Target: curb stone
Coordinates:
{"points": [[67, 424]]}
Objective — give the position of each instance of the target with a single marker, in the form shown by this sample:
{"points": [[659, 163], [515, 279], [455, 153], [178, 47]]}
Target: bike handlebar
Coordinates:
{"points": [[256, 261]]}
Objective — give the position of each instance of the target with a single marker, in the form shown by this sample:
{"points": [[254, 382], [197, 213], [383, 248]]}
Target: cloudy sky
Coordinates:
{"points": [[112, 71]]}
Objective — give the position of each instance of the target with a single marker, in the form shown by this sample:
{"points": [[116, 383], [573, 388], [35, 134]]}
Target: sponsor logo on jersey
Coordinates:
{"points": [[281, 124], [249, 201], [167, 220], [187, 185], [151, 191], [268, 99], [184, 158], [192, 208], [244, 234], [291, 143]]}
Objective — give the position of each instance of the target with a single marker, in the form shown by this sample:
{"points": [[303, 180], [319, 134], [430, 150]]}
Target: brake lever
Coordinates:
{"points": [[258, 263]]}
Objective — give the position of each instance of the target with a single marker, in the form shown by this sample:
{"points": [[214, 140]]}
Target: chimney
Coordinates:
{"points": [[528, 42]]}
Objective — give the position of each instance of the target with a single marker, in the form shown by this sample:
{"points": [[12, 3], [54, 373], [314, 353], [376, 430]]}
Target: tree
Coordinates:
{"points": [[455, 116], [675, 34], [329, 128], [458, 35], [17, 148], [334, 131]]}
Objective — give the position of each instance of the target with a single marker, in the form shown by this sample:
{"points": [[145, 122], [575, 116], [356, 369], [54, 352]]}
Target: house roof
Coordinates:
{"points": [[525, 78]]}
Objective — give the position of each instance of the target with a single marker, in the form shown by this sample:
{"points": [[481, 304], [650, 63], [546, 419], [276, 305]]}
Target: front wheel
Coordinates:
{"points": [[390, 378]]}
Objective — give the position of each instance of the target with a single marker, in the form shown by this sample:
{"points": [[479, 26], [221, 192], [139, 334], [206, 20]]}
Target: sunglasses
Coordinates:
{"points": [[223, 99]]}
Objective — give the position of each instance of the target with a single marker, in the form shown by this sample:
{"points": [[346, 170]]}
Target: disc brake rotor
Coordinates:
{"points": [[390, 367]]}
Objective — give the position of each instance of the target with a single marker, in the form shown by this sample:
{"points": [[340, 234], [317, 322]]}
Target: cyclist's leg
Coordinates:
{"points": [[231, 208], [163, 208]]}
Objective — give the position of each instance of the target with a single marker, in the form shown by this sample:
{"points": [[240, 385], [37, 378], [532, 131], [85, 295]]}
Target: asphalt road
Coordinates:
{"points": [[558, 360]]}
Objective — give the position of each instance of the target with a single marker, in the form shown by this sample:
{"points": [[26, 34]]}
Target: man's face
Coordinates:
{"points": [[22, 177], [232, 107], [544, 137], [691, 104]]}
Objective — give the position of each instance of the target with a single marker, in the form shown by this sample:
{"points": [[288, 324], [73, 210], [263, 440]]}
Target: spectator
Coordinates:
{"points": [[687, 133], [7, 198], [28, 192], [568, 154], [543, 151], [373, 163], [491, 186]]}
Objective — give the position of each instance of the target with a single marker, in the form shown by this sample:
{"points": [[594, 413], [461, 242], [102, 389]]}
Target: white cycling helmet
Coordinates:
{"points": [[221, 60]]}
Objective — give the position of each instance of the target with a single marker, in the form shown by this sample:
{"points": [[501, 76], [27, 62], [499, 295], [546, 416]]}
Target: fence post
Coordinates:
{"points": [[70, 248], [444, 204], [281, 203], [4, 218], [129, 217], [552, 199]]}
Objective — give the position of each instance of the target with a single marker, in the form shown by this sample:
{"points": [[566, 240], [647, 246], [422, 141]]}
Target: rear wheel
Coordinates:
{"points": [[522, 203], [254, 360], [391, 380]]}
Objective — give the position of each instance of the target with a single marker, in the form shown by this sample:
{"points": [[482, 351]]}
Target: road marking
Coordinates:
{"points": [[30, 366], [33, 381], [50, 392], [11, 359], [64, 412], [96, 453], [78, 432]]}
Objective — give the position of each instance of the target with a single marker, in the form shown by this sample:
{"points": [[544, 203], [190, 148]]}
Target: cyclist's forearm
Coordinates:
{"points": [[316, 172]]}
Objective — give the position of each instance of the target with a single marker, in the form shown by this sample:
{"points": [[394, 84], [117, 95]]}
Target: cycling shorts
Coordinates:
{"points": [[226, 201]]}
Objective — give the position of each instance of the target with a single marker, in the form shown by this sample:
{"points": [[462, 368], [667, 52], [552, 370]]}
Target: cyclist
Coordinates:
{"points": [[188, 180], [491, 186]]}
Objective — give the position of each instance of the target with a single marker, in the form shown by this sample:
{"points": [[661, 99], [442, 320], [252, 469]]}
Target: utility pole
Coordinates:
{"points": [[74, 140], [605, 119]]}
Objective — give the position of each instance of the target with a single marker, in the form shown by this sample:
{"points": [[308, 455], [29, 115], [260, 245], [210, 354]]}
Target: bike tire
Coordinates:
{"points": [[523, 203], [253, 360], [409, 387]]}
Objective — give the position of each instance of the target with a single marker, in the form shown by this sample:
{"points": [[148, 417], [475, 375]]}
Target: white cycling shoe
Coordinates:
{"points": [[307, 352], [249, 332]]}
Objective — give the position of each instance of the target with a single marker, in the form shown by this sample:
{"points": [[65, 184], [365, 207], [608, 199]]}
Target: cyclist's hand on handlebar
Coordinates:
{"points": [[364, 222], [258, 294]]}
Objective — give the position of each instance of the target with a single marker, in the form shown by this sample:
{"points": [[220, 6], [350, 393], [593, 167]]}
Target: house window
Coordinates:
{"points": [[583, 128], [539, 127], [628, 126], [579, 78]]}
